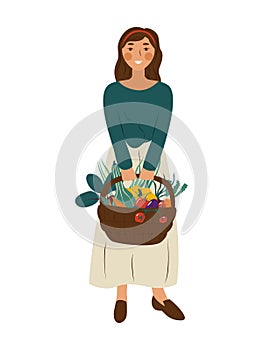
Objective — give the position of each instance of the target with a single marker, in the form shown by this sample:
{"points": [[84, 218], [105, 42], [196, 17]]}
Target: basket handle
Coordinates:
{"points": [[156, 178]]}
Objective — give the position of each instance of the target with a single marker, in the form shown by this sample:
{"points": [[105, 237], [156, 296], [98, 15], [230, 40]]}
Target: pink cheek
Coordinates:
{"points": [[148, 56], [128, 56]]}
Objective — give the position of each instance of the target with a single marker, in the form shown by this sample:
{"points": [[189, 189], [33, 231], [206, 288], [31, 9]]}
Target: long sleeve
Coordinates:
{"points": [[160, 132], [115, 130]]}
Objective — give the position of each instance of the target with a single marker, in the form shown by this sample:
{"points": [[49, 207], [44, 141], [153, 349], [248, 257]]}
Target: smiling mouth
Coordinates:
{"points": [[138, 62]]}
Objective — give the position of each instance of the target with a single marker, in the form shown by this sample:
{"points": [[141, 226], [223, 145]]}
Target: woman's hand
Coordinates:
{"points": [[147, 174], [128, 175]]}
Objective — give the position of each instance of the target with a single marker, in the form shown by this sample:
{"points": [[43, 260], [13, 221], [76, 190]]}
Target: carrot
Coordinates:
{"points": [[167, 203], [117, 202]]}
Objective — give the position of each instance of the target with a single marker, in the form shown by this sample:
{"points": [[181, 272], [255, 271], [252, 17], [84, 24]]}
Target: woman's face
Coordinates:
{"points": [[138, 54]]}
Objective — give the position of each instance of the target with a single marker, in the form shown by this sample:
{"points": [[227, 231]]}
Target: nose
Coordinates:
{"points": [[140, 52]]}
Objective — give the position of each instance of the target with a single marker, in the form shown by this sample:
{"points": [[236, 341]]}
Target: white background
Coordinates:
{"points": [[56, 59]]}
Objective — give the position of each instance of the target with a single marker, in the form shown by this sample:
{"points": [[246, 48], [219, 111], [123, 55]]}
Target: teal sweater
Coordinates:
{"points": [[137, 116]]}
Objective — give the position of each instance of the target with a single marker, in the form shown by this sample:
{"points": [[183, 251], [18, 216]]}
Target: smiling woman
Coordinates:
{"points": [[139, 53], [138, 110]]}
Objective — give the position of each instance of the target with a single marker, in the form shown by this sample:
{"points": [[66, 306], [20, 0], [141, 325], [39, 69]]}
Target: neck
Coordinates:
{"points": [[138, 75]]}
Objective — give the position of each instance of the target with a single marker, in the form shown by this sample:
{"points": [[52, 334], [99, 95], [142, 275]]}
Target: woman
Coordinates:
{"points": [[137, 110]]}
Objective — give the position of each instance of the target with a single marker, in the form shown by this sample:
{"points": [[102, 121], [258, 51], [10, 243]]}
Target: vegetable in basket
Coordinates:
{"points": [[139, 194], [122, 194], [89, 198]]}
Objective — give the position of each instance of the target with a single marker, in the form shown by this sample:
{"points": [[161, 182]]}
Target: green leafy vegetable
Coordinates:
{"points": [[94, 182], [176, 186], [87, 199], [105, 167], [103, 176], [122, 194], [161, 191], [183, 188]]}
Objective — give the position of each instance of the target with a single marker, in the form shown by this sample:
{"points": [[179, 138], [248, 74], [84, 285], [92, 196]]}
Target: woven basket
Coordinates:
{"points": [[120, 226]]}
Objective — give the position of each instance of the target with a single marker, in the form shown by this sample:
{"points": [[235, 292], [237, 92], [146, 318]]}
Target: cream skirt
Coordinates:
{"points": [[153, 265]]}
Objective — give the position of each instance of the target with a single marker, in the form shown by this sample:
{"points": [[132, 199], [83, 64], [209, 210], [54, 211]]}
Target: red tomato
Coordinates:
{"points": [[141, 202], [163, 219], [161, 204], [140, 217]]}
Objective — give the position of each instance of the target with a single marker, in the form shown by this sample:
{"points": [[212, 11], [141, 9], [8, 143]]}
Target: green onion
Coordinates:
{"points": [[105, 167], [101, 173], [183, 188], [177, 185], [122, 194]]}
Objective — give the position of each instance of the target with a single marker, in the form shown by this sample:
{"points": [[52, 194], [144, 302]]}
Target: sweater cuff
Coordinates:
{"points": [[148, 166], [126, 164]]}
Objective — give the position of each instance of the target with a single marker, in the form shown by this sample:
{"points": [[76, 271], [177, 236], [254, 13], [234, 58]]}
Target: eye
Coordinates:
{"points": [[146, 49], [130, 48]]}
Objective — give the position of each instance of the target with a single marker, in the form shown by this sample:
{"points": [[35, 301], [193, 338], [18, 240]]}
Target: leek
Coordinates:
{"points": [[183, 188], [122, 194]]}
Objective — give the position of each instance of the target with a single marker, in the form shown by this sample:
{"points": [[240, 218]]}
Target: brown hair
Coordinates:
{"points": [[122, 70]]}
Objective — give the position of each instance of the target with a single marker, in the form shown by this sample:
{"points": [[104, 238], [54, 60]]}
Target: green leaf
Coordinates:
{"points": [[176, 186], [105, 167], [87, 199], [157, 169], [183, 188], [103, 176], [138, 166], [94, 182]]}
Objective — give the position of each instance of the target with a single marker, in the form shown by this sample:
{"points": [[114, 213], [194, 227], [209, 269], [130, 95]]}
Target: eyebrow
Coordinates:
{"points": [[145, 43], [130, 44]]}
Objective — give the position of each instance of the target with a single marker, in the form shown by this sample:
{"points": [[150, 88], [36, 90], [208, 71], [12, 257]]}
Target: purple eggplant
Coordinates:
{"points": [[153, 204]]}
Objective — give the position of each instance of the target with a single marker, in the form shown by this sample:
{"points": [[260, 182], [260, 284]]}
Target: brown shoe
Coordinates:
{"points": [[169, 308], [120, 311]]}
